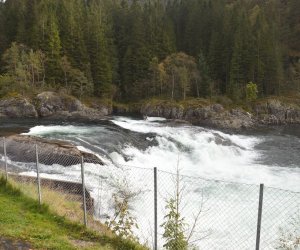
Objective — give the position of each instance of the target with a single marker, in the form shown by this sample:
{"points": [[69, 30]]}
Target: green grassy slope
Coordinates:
{"points": [[21, 218]]}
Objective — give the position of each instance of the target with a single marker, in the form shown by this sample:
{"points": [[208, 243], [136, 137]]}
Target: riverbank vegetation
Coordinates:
{"points": [[23, 219], [133, 50]]}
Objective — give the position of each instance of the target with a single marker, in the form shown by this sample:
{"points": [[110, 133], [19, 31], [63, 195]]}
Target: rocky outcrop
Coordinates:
{"points": [[105, 109], [212, 115], [49, 103], [162, 110], [271, 112], [52, 106], [17, 108], [275, 112], [225, 119], [21, 148], [55, 106]]}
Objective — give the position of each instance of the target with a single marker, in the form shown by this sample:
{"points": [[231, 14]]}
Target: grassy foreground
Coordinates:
{"points": [[21, 218]]}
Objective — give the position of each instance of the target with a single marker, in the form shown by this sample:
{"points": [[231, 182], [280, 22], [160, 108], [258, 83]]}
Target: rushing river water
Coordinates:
{"points": [[220, 161]]}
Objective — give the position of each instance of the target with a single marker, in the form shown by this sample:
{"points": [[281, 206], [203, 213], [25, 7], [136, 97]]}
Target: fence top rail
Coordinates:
{"points": [[204, 179], [229, 182]]}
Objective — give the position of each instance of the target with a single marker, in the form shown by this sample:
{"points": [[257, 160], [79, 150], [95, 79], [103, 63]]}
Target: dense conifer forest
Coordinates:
{"points": [[131, 50]]}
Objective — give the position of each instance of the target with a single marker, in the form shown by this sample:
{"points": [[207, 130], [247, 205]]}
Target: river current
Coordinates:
{"points": [[227, 165]]}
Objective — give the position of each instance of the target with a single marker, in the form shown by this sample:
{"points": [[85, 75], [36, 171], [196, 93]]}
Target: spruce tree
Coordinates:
{"points": [[137, 57], [99, 50]]}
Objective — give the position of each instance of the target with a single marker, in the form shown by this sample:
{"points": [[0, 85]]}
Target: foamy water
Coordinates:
{"points": [[216, 161]]}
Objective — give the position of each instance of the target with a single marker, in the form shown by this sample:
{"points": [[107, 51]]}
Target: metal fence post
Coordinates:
{"points": [[83, 192], [155, 208], [5, 158], [259, 217], [38, 174]]}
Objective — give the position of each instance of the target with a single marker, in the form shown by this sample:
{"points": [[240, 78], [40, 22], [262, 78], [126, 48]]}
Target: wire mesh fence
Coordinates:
{"points": [[159, 209]]}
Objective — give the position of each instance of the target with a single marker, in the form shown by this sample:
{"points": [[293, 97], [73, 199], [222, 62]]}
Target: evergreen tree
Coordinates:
{"points": [[72, 33], [137, 58], [54, 51], [203, 87], [114, 43], [99, 50]]}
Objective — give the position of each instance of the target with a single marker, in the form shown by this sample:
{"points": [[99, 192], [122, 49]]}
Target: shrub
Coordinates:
{"points": [[251, 91]]}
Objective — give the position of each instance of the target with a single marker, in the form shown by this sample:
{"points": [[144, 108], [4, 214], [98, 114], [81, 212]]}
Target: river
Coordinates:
{"points": [[221, 170]]}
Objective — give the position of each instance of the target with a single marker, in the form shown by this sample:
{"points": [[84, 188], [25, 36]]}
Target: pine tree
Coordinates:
{"points": [[114, 42], [137, 57], [234, 88], [203, 87], [53, 52], [99, 50], [72, 33]]}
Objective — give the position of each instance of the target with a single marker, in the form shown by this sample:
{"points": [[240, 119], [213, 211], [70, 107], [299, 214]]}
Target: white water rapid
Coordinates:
{"points": [[224, 175]]}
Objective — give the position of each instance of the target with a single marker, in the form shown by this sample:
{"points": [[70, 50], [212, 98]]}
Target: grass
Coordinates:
{"points": [[61, 203], [21, 218]]}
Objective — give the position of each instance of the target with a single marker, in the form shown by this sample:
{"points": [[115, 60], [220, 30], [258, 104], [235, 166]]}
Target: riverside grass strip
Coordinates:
{"points": [[21, 218]]}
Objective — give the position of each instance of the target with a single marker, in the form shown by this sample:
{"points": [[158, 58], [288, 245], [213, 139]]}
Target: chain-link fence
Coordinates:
{"points": [[159, 209]]}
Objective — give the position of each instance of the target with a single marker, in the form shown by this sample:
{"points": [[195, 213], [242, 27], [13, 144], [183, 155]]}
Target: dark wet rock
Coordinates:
{"points": [[21, 148], [16, 107]]}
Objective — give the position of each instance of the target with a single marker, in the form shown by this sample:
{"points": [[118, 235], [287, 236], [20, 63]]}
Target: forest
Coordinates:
{"points": [[129, 50]]}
